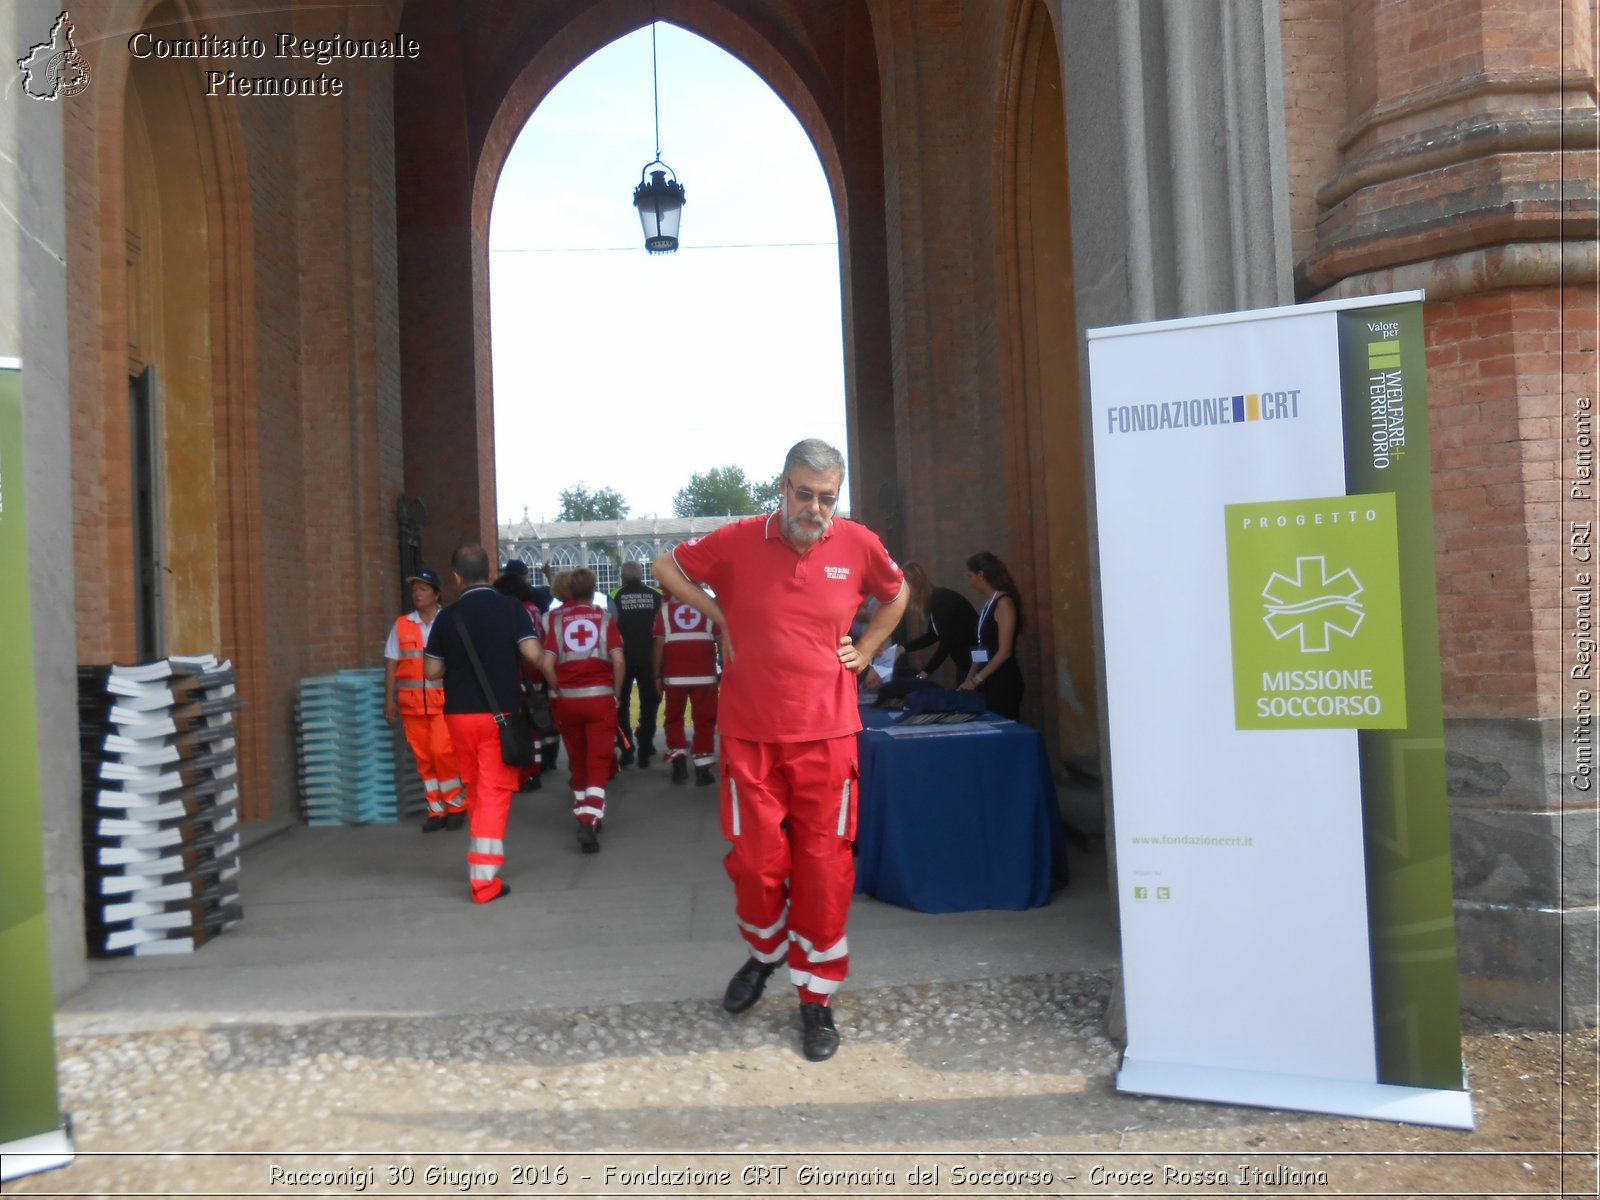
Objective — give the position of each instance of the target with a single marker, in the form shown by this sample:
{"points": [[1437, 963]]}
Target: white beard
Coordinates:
{"points": [[804, 533]]}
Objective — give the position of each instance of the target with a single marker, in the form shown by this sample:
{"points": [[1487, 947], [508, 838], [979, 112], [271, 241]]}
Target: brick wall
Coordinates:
{"points": [[1500, 367], [1369, 202], [1314, 103], [1445, 171], [301, 236]]}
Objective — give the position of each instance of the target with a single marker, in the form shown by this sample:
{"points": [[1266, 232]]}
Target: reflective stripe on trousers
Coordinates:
{"points": [[489, 783], [788, 814], [429, 738]]}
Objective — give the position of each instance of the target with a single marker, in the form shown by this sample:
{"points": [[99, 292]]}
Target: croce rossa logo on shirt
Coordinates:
{"points": [[580, 635]]}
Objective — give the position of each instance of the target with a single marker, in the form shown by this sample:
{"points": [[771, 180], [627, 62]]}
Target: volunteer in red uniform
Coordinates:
{"points": [[786, 588], [686, 670], [583, 666], [419, 703], [501, 635]]}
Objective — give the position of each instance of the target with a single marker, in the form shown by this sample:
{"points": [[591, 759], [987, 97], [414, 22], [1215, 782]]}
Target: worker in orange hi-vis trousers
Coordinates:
{"points": [[686, 672], [583, 664], [497, 632], [419, 703]]}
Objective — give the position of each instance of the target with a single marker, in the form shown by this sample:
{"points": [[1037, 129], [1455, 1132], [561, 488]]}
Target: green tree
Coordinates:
{"points": [[719, 492], [578, 503], [766, 495]]}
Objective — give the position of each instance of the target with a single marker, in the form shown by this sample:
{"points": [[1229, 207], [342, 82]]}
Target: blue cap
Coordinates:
{"points": [[515, 566], [431, 578]]}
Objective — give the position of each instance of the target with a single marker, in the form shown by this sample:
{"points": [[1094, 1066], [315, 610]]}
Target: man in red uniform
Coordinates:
{"points": [[419, 703], [583, 666], [501, 635], [686, 669], [786, 587]]}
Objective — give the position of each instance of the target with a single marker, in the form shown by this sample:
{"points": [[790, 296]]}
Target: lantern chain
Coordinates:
{"points": [[655, 84]]}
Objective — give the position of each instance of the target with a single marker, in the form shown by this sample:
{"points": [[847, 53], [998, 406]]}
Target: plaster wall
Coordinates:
{"points": [[33, 324]]}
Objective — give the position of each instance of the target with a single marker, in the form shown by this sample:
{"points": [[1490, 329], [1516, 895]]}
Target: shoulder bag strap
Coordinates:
{"points": [[483, 679]]}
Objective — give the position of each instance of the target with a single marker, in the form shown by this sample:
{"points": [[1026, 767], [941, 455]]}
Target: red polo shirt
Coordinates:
{"points": [[786, 612]]}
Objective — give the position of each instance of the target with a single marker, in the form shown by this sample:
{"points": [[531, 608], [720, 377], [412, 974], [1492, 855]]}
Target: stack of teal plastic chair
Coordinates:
{"points": [[346, 750]]}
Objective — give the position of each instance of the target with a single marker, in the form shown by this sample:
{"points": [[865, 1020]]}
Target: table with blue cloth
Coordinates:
{"points": [[956, 817]]}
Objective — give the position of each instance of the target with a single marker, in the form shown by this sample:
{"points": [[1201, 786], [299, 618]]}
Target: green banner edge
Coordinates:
{"points": [[1405, 803], [29, 1101]]}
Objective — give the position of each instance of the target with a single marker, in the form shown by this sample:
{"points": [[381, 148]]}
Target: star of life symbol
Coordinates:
{"points": [[1313, 603], [580, 635], [686, 618], [54, 68]]}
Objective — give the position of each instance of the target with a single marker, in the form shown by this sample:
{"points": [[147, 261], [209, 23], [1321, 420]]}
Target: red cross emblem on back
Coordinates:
{"points": [[686, 618], [580, 635]]}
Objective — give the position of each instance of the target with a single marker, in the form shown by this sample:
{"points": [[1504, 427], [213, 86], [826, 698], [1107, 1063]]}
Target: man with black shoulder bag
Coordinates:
{"points": [[475, 647]]}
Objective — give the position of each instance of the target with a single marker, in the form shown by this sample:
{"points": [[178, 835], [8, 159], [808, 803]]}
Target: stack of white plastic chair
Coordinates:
{"points": [[160, 800]]}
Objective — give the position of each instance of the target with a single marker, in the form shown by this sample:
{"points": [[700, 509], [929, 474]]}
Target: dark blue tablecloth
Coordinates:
{"points": [[961, 819]]}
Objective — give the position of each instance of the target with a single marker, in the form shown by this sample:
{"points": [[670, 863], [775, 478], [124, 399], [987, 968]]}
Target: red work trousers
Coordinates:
{"points": [[789, 812], [429, 739], [490, 782], [588, 726], [704, 698]]}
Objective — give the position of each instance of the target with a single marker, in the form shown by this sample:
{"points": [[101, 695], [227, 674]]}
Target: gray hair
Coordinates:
{"points": [[632, 572], [814, 454]]}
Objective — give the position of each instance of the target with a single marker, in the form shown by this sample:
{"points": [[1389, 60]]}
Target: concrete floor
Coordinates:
{"points": [[376, 920]]}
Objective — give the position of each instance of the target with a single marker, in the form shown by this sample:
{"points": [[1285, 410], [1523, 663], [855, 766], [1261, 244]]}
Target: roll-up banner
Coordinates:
{"points": [[31, 1133], [1276, 731]]}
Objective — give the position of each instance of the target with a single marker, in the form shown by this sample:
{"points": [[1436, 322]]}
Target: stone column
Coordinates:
{"points": [[1176, 150]]}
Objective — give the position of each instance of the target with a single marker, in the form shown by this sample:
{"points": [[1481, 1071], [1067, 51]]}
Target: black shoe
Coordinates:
{"points": [[433, 825], [455, 820], [534, 784], [588, 838], [644, 759], [505, 890], [744, 989], [704, 776], [818, 1038], [680, 770], [627, 756]]}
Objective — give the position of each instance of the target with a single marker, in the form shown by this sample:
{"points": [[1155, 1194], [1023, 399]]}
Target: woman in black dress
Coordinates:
{"points": [[994, 669], [952, 623]]}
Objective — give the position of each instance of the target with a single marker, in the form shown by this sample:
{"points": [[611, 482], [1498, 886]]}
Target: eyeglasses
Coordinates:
{"points": [[824, 500]]}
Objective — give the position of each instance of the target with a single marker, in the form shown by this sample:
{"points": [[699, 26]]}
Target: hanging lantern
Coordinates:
{"points": [[660, 204]]}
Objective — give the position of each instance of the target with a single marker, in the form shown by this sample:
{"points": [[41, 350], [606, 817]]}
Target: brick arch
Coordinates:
{"points": [[773, 57], [1040, 372], [595, 28], [456, 114]]}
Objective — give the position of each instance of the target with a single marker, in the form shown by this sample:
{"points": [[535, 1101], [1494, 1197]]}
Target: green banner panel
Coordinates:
{"points": [[1410, 901], [1314, 605], [28, 1100]]}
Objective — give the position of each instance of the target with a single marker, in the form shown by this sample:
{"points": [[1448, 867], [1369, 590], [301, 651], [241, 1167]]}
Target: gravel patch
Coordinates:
{"points": [[1013, 1070]]}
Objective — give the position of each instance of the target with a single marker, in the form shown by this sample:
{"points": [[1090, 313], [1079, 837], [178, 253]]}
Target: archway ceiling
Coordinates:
{"points": [[512, 52]]}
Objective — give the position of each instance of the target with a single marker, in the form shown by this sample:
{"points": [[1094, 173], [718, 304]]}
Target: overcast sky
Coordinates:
{"points": [[618, 368]]}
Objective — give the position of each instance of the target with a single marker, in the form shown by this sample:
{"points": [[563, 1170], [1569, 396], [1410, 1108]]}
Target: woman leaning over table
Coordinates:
{"points": [[994, 669], [952, 623]]}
